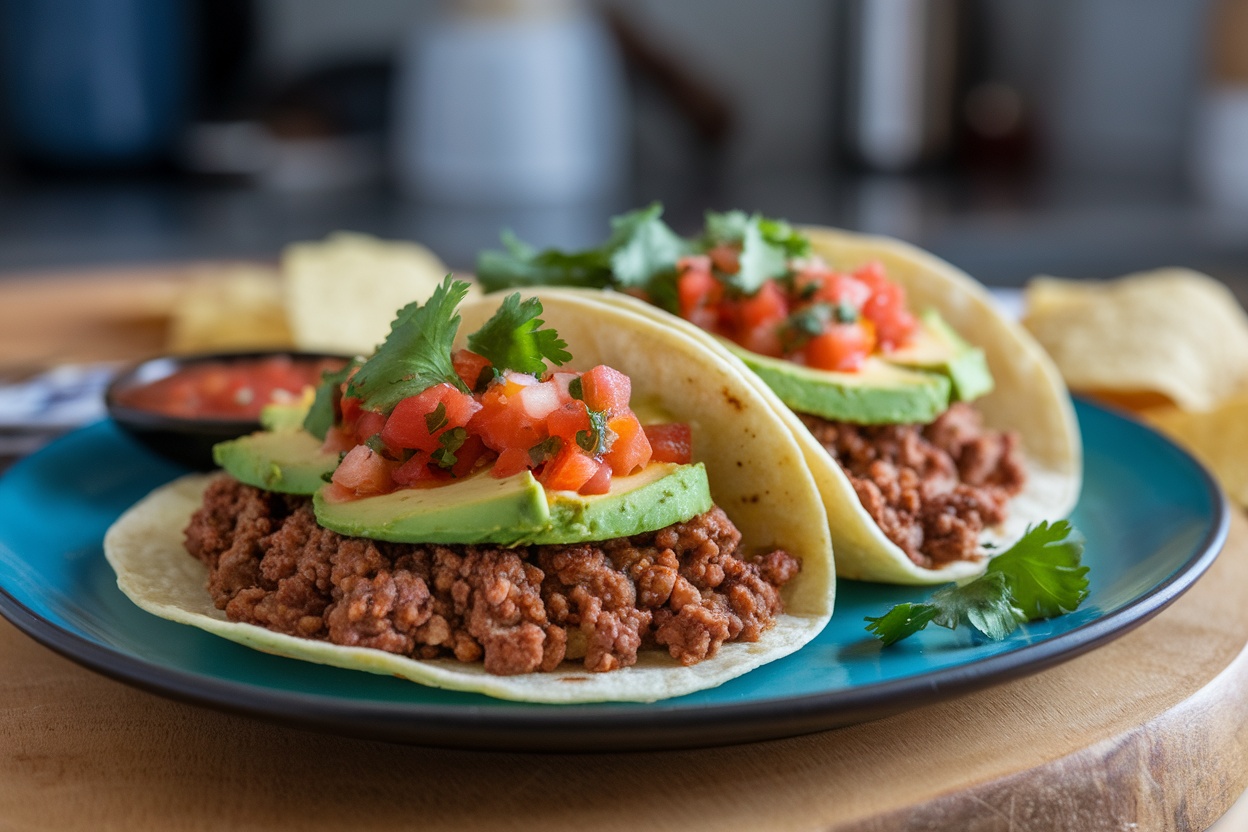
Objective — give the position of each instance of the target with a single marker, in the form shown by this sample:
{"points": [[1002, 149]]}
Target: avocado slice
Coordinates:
{"points": [[517, 510], [283, 416], [879, 393], [937, 348], [913, 384], [289, 461]]}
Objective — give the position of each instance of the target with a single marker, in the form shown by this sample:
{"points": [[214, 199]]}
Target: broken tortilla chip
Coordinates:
{"points": [[1166, 336], [342, 293], [229, 307], [1218, 438]]}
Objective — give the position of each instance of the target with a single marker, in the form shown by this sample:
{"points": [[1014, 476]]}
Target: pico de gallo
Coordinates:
{"points": [[499, 408], [746, 278], [814, 315]]}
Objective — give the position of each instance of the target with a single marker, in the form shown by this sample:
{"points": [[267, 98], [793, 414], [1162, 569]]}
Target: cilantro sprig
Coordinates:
{"points": [[416, 355], [641, 253], [513, 338], [1038, 577], [766, 247], [321, 414]]}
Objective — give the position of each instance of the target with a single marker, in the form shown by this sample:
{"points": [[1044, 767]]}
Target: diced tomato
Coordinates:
{"points": [[468, 456], [698, 292], [335, 493], [599, 483], [351, 408], [767, 306], [841, 347], [569, 470], [727, 258], [469, 366], [408, 425], [368, 424], [887, 310], [414, 471], [510, 462], [764, 340], [568, 421], [670, 443], [872, 274], [605, 388], [631, 448], [363, 471], [338, 440], [843, 288], [502, 423]]}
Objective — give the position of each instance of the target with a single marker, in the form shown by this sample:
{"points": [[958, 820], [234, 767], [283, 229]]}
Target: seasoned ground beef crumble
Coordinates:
{"points": [[519, 610], [931, 488]]}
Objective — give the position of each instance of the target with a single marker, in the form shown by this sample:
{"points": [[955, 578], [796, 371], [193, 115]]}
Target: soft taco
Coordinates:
{"points": [[572, 503], [937, 430]]}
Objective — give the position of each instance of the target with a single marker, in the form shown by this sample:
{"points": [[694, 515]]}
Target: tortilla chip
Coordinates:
{"points": [[342, 293], [236, 307], [1171, 334], [1218, 438]]}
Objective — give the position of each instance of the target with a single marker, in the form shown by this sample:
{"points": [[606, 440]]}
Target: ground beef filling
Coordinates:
{"points": [[931, 488], [683, 588]]}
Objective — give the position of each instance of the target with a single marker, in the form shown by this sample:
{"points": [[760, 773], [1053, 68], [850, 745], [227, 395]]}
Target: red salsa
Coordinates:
{"points": [[228, 389]]}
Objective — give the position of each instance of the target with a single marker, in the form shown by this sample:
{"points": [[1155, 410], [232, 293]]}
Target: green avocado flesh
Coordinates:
{"points": [[518, 511], [912, 385], [289, 461], [283, 416], [937, 348]]}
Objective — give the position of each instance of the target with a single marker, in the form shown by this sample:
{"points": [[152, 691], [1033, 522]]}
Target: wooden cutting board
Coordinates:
{"points": [[1148, 732]]}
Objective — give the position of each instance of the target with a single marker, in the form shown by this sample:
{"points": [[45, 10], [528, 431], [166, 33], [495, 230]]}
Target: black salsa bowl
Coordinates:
{"points": [[188, 439]]}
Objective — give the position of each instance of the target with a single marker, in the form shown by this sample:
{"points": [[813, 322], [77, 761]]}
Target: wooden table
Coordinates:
{"points": [[1148, 732]]}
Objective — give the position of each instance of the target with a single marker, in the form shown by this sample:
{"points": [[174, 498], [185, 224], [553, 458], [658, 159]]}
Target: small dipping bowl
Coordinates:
{"points": [[184, 432]]}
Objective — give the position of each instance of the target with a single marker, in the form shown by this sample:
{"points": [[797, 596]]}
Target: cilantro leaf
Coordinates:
{"points": [[984, 603], [760, 260], [416, 354], [545, 450], [730, 228], [901, 621], [522, 265], [643, 247], [513, 338], [436, 420], [725, 228], [320, 416], [599, 438], [766, 246], [1043, 570], [448, 444], [1038, 577], [641, 253]]}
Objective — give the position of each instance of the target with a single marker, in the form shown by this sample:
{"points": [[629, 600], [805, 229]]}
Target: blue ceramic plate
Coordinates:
{"points": [[1152, 517]]}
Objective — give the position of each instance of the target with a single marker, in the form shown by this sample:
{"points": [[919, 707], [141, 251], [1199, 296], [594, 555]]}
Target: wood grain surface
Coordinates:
{"points": [[1149, 732]]}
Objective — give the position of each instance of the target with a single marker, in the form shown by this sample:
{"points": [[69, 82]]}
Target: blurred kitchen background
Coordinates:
{"points": [[1083, 138]]}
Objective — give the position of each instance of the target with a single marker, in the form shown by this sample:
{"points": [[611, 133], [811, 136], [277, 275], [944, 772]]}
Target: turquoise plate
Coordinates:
{"points": [[1153, 520]]}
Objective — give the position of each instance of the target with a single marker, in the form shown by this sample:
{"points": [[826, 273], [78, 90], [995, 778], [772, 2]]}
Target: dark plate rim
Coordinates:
{"points": [[613, 727]]}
